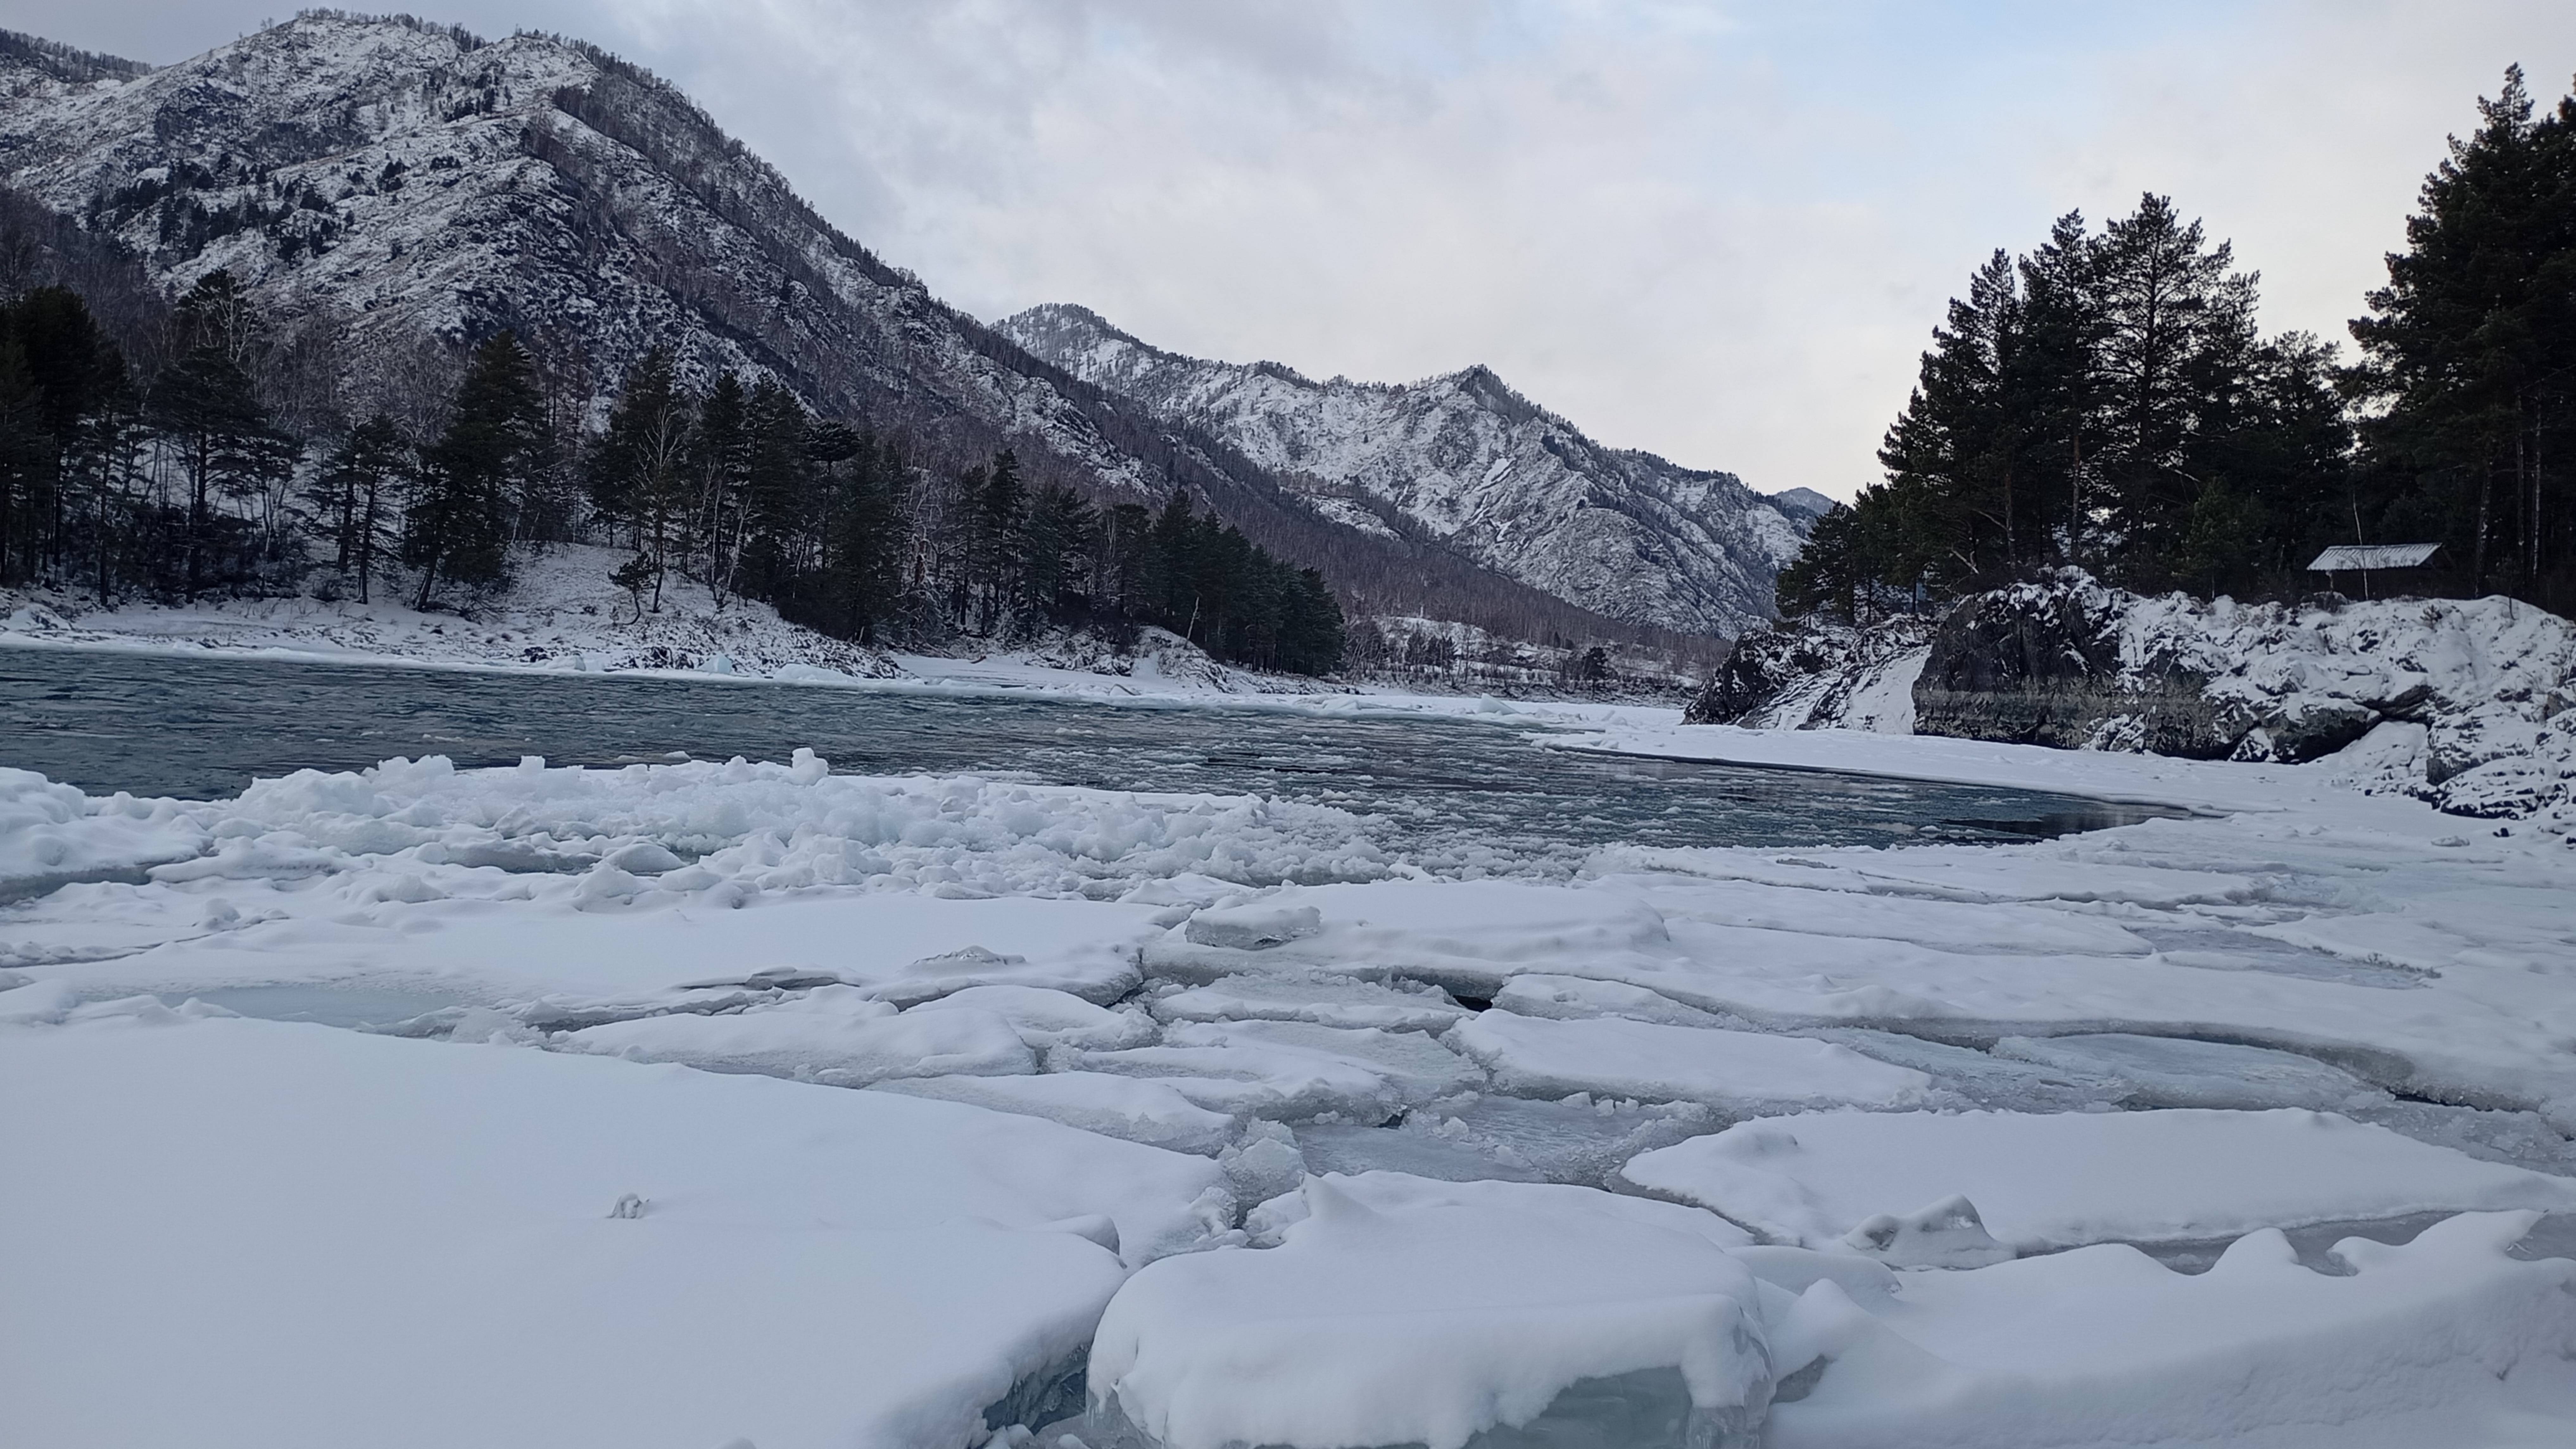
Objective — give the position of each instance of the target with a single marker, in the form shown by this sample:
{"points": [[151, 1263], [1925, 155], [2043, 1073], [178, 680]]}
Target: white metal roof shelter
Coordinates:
{"points": [[2363, 557], [2345, 556]]}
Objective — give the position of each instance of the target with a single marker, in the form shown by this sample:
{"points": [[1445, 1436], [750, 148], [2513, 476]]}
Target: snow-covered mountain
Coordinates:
{"points": [[418, 179], [1464, 459], [411, 179]]}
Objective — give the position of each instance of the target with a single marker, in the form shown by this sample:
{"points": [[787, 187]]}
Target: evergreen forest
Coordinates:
{"points": [[175, 450], [2106, 401]]}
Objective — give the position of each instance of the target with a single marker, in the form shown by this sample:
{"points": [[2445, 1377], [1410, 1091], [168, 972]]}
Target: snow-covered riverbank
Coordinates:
{"points": [[708, 1102], [565, 615]]}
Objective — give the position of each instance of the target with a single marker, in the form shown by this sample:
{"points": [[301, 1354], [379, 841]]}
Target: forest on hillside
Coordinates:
{"points": [[180, 449], [2107, 402]]}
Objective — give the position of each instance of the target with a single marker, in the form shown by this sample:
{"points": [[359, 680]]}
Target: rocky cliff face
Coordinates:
{"points": [[1464, 460]]}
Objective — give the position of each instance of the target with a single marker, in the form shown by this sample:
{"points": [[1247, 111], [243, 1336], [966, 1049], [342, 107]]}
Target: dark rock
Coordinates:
{"points": [[2040, 664]]}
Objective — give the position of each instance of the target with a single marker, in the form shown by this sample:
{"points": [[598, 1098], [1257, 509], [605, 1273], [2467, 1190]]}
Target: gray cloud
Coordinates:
{"points": [[1720, 231]]}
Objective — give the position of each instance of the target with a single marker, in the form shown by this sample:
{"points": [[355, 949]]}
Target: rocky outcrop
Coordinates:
{"points": [[2043, 666], [2075, 665], [1814, 675], [2469, 704]]}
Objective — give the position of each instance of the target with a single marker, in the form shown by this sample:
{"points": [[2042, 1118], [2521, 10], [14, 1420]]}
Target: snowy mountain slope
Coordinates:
{"points": [[1465, 459], [419, 180], [413, 180]]}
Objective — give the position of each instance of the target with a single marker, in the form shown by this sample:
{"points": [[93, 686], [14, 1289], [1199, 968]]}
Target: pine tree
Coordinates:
{"points": [[861, 585], [780, 509], [1056, 543], [354, 493], [77, 375], [207, 412], [720, 471], [2472, 349], [2177, 335], [636, 471], [459, 525], [2104, 401], [998, 508], [26, 462]]}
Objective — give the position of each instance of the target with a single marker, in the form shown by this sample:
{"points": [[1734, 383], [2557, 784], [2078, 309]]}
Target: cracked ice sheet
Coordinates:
{"points": [[305, 1235], [2043, 1181], [2479, 1013]]}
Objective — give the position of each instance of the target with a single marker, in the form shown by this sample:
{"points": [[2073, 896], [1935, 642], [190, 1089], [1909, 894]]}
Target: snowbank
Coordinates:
{"points": [[563, 614]]}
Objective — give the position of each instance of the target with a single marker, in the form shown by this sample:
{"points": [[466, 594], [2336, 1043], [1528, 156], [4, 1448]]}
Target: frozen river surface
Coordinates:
{"points": [[197, 728], [1319, 1075]]}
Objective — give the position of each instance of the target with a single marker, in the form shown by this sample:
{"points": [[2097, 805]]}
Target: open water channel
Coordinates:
{"points": [[204, 728]]}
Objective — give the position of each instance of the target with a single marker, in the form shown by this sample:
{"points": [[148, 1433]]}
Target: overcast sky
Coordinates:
{"points": [[1719, 231]]}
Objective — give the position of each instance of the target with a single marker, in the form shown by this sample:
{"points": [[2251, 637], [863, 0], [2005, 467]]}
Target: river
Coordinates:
{"points": [[204, 727]]}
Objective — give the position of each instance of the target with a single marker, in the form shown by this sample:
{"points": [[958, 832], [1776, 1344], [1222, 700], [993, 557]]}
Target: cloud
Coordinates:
{"points": [[1719, 231]]}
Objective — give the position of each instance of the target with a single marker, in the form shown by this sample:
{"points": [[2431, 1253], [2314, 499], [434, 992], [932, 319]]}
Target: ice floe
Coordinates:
{"points": [[2057, 1180]]}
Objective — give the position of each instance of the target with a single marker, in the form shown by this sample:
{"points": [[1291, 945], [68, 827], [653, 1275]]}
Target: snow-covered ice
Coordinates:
{"points": [[2444, 1341], [2057, 1180], [298, 1235]]}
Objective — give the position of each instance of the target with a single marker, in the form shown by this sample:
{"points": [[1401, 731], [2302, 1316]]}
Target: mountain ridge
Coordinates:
{"points": [[1464, 458]]}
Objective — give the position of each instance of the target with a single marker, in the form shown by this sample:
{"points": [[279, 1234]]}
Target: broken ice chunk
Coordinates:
{"points": [[1982, 1079], [2048, 1181], [2162, 1071], [1569, 998], [1131, 1108], [1532, 1056], [2437, 1342], [1478, 1135], [1251, 927], [833, 1034], [1099, 977], [1418, 1068], [1948, 1234], [1319, 997], [1437, 1316], [1046, 1017], [1249, 1080]]}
